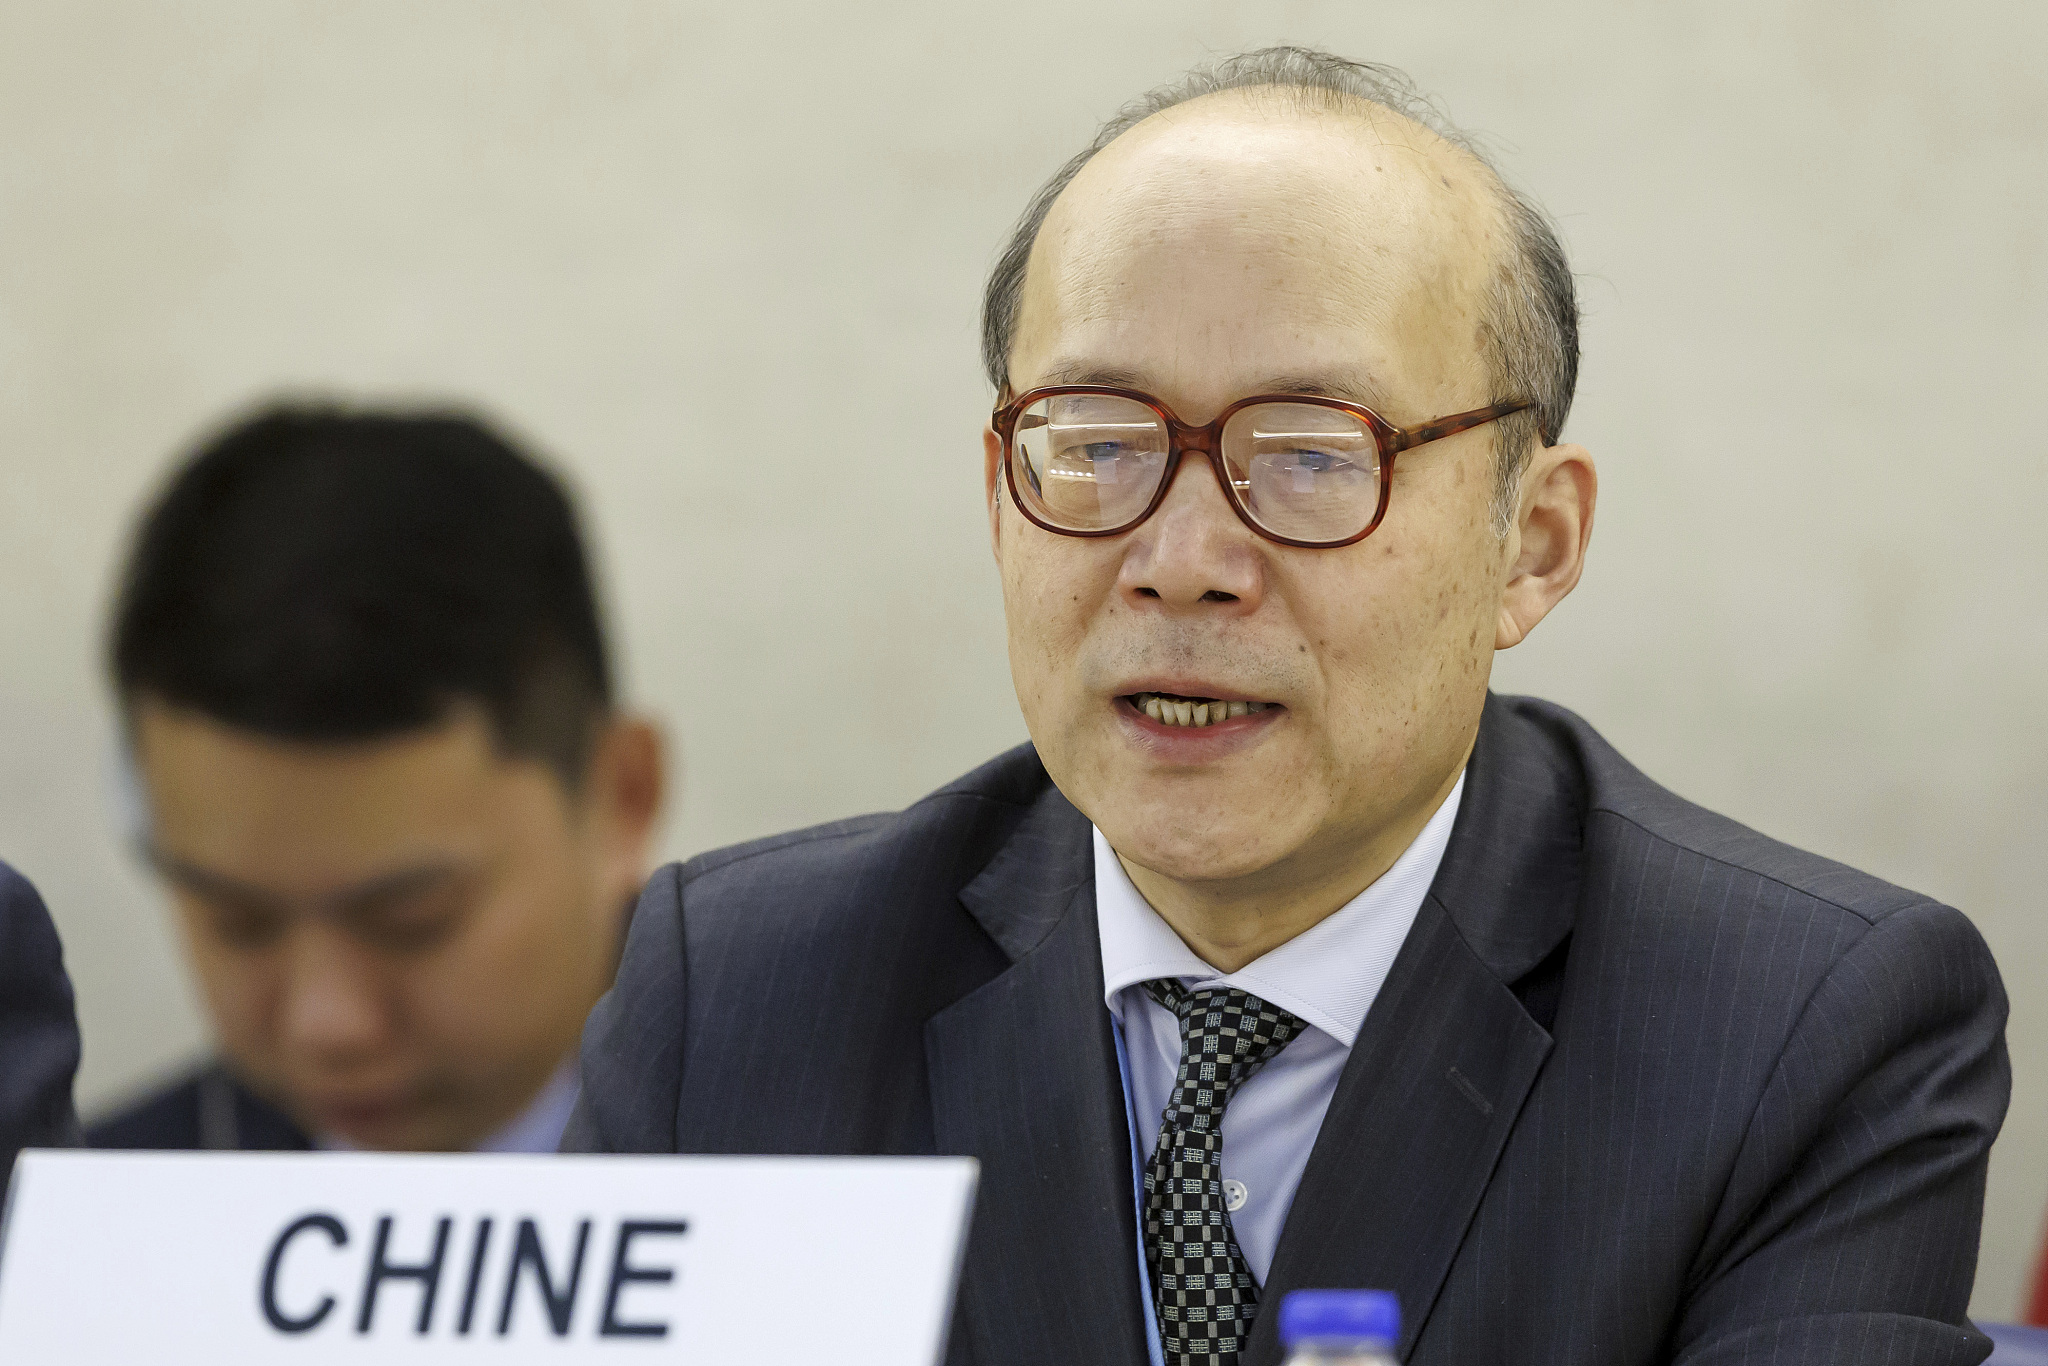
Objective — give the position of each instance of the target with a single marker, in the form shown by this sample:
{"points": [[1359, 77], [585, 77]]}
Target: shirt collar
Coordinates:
{"points": [[1327, 975], [536, 1129]]}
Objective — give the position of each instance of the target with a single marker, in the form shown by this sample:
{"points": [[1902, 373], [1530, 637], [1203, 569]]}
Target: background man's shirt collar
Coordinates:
{"points": [[536, 1129]]}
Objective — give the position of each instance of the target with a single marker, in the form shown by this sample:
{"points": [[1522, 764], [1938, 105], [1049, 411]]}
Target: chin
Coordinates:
{"points": [[1215, 855]]}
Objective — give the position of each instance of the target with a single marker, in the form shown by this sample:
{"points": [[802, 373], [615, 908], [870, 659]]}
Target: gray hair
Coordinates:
{"points": [[1531, 322]]}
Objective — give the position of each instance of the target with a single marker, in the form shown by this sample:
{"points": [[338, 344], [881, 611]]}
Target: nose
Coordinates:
{"points": [[334, 1011], [1193, 553]]}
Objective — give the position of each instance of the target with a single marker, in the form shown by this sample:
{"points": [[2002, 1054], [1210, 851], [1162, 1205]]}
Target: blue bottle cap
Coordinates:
{"points": [[1340, 1316]]}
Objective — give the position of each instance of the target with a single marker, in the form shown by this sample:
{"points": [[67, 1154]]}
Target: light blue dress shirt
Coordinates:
{"points": [[1328, 975], [536, 1129]]}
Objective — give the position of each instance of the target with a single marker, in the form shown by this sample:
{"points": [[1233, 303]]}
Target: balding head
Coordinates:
{"points": [[1519, 291], [1189, 242]]}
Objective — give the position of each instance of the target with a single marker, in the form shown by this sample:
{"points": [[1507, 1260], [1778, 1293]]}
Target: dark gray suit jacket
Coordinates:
{"points": [[38, 1029], [205, 1109], [1642, 1086]]}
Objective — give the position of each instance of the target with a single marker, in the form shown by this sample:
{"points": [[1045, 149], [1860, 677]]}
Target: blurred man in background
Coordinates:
{"points": [[369, 704]]}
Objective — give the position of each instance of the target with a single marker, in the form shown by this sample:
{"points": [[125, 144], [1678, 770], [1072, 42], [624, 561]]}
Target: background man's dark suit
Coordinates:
{"points": [[1643, 1085], [38, 1027], [207, 1109]]}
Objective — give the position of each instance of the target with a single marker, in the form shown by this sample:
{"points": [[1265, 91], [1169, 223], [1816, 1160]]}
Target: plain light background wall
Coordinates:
{"points": [[718, 261]]}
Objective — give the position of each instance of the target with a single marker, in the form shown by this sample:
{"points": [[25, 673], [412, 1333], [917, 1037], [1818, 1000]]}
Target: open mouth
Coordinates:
{"points": [[1170, 710]]}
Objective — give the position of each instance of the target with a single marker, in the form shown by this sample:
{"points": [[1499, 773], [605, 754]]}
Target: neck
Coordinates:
{"points": [[1229, 924]]}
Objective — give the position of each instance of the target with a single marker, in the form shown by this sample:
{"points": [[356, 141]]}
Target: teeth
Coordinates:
{"points": [[1175, 711]]}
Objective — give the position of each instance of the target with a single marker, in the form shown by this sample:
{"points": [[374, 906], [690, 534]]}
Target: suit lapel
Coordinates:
{"points": [[1447, 1054], [1419, 1117], [1024, 1078]]}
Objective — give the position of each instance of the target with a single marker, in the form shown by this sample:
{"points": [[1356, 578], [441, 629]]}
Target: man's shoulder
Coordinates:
{"points": [[1667, 882], [31, 958], [1632, 815], [869, 866], [1712, 947], [175, 1116], [164, 1118], [39, 1044], [734, 958], [1787, 1059]]}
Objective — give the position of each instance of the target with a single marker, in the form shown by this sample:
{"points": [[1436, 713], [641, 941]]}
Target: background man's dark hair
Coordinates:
{"points": [[319, 574]]}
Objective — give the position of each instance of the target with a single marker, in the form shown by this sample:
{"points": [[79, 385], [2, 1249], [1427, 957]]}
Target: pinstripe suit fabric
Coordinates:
{"points": [[1642, 1086]]}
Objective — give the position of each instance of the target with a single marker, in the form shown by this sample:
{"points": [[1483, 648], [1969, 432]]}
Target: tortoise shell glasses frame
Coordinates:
{"points": [[1209, 441]]}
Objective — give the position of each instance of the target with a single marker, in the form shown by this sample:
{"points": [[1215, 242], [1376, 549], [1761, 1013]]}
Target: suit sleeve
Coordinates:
{"points": [[38, 1027], [1848, 1231], [633, 1043]]}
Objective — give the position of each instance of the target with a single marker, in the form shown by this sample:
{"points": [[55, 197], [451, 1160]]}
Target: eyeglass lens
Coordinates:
{"points": [[1093, 462]]}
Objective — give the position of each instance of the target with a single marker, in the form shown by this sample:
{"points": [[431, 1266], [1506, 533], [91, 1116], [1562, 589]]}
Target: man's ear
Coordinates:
{"points": [[627, 781], [1548, 540], [992, 487]]}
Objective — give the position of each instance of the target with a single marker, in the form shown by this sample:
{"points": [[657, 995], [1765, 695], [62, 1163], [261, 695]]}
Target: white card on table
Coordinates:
{"points": [[193, 1259]]}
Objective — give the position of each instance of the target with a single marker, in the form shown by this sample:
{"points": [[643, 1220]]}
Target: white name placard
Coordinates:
{"points": [[194, 1259]]}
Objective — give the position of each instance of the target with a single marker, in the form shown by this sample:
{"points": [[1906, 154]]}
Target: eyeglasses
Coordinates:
{"points": [[1091, 460]]}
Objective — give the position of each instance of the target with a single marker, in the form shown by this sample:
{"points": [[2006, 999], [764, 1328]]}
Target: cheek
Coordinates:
{"points": [[480, 996], [529, 931], [1399, 620], [241, 987], [525, 958], [243, 993], [1053, 589]]}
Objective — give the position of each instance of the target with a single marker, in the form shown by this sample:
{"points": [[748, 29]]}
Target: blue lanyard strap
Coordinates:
{"points": [[1123, 1067]]}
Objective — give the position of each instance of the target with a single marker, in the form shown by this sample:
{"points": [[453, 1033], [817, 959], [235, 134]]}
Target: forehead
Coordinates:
{"points": [[304, 818], [1239, 236]]}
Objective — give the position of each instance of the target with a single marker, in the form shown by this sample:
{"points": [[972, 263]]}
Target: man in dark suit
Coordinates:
{"points": [[1287, 955], [401, 819], [38, 1028]]}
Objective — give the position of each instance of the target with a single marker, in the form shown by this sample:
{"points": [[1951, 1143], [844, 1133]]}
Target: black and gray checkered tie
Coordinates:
{"points": [[1202, 1289]]}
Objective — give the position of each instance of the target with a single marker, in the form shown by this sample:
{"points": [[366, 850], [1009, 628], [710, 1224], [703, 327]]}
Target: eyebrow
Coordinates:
{"points": [[1085, 372], [346, 902], [1350, 385]]}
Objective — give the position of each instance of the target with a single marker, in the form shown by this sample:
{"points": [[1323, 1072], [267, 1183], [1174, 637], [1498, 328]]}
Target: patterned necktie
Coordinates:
{"points": [[1202, 1289]]}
